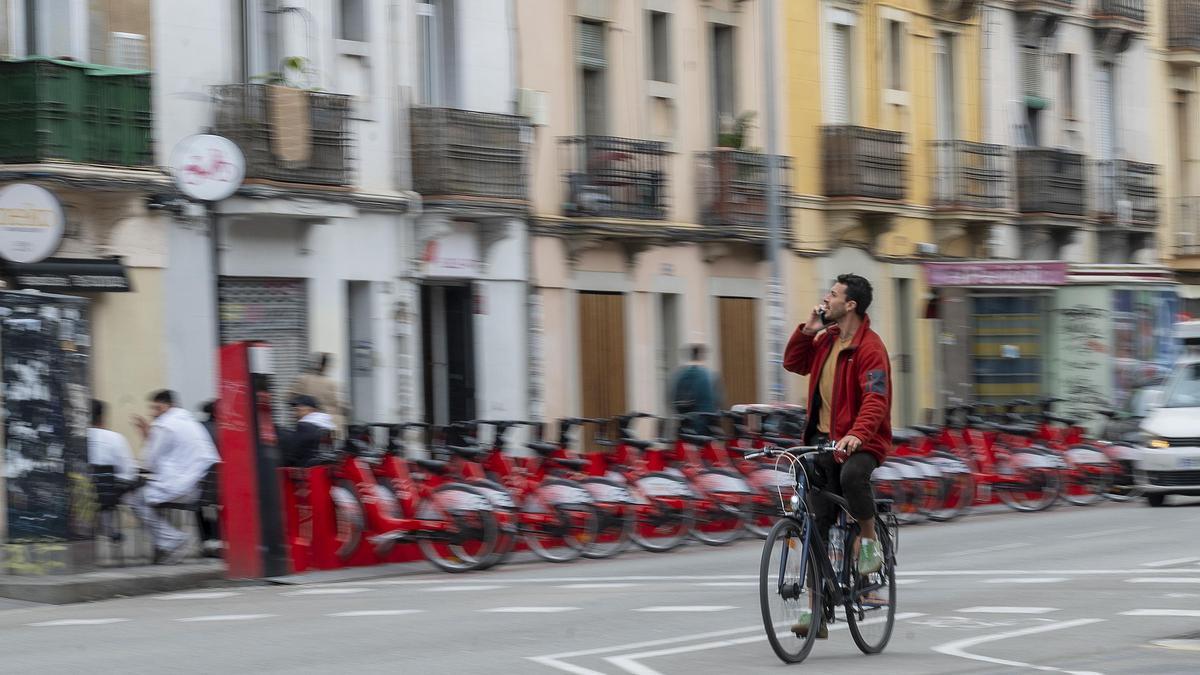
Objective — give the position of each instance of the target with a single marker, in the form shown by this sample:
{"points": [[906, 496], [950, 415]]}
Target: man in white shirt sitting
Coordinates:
{"points": [[179, 452], [109, 448]]}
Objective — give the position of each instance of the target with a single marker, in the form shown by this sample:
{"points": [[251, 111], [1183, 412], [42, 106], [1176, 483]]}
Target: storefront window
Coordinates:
{"points": [[1143, 348], [1007, 346]]}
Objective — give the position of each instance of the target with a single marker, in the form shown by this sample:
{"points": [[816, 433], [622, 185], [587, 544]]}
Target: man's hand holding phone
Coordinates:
{"points": [[816, 321]]}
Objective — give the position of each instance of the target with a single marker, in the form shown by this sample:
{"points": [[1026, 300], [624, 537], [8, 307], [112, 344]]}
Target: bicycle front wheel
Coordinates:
{"points": [[871, 606], [789, 585]]}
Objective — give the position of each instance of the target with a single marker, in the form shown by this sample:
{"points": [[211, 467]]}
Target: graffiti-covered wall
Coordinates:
{"points": [[44, 343], [1082, 329]]}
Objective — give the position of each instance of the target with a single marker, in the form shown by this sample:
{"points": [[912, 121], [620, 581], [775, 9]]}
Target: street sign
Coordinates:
{"points": [[207, 168]]}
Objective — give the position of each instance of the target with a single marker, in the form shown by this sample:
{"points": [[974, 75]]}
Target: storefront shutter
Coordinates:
{"points": [[274, 311]]}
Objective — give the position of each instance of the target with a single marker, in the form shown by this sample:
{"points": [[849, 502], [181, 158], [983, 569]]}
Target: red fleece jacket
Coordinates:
{"points": [[862, 385]]}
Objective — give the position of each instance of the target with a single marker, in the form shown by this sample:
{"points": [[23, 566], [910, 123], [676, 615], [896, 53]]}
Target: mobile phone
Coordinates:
{"points": [[821, 313]]}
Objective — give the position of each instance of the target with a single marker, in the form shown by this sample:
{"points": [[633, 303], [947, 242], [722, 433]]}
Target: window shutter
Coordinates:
{"points": [[1031, 66], [839, 72], [590, 45], [1104, 112]]}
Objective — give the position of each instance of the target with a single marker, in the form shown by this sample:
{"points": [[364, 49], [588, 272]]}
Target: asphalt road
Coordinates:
{"points": [[1106, 589]]}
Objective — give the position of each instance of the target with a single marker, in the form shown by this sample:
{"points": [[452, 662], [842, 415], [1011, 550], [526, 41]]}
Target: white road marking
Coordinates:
{"points": [[1170, 563], [1013, 573], [564, 580], [1181, 596], [629, 662], [1184, 645], [75, 622], [225, 617], [728, 584], [909, 582], [1007, 610], [454, 589], [958, 647], [686, 608], [378, 612], [603, 585], [990, 549], [1102, 533], [555, 660], [207, 595], [1163, 580], [333, 590], [530, 610], [1162, 612], [1028, 580]]}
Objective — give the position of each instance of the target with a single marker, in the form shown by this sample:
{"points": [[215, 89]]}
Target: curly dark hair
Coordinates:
{"points": [[859, 290]]}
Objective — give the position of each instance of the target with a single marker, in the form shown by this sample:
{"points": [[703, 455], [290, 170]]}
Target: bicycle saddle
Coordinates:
{"points": [[542, 447], [925, 429], [695, 439], [465, 452], [1017, 429], [435, 466], [906, 435], [638, 443], [576, 464]]}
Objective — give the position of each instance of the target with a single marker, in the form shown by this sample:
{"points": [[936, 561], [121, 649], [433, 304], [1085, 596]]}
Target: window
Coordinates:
{"points": [[592, 57], [659, 47], [839, 74], [261, 49], [724, 92], [944, 74], [352, 20], [54, 28], [1068, 85], [895, 55], [435, 53]]}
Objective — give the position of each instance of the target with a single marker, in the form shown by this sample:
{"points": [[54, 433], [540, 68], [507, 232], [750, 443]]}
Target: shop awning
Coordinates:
{"points": [[70, 275]]}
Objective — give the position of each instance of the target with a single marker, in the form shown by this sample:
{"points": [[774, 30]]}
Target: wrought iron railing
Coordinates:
{"points": [[1126, 192], [254, 118], [1050, 181], [863, 162], [970, 175], [614, 177], [463, 153], [731, 187], [1130, 10], [1183, 24]]}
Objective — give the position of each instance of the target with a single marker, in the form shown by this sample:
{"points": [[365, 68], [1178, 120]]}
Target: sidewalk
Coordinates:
{"points": [[112, 582]]}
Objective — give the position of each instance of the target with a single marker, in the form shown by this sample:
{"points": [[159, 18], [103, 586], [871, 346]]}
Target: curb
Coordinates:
{"points": [[107, 584]]}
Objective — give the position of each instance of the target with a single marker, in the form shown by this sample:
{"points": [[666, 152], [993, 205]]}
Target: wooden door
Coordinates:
{"points": [[738, 319], [602, 355]]}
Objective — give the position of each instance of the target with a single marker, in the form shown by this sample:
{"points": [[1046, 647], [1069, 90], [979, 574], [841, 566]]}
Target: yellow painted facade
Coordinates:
{"points": [[910, 108]]}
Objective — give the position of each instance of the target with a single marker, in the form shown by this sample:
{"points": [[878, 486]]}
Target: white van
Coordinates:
{"points": [[1170, 463]]}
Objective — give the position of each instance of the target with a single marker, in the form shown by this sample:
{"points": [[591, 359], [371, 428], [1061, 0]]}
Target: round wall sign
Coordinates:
{"points": [[31, 223], [207, 168]]}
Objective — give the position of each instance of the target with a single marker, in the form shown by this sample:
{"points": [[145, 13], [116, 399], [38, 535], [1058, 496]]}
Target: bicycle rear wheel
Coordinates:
{"points": [[871, 606], [789, 585]]}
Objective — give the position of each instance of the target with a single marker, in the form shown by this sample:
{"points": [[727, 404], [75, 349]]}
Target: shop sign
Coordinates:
{"points": [[31, 223], [996, 273], [454, 254], [207, 168]]}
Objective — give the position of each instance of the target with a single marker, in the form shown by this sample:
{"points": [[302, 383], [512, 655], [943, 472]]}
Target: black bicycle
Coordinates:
{"points": [[802, 580]]}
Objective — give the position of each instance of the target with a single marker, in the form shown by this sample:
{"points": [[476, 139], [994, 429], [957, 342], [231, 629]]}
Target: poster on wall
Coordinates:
{"points": [[44, 345], [1082, 336], [1143, 348]]}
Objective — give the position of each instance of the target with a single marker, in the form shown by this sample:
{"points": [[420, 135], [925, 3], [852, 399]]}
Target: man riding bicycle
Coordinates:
{"points": [[849, 401]]}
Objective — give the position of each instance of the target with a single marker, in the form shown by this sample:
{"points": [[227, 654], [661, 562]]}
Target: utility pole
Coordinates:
{"points": [[775, 238]]}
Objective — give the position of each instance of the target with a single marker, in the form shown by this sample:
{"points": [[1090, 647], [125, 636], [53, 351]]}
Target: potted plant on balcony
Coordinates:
{"points": [[289, 114], [731, 199]]}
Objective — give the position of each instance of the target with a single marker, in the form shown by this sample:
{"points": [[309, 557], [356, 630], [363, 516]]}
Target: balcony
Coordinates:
{"points": [[970, 176], [268, 124], [1127, 193], [608, 177], [1050, 182], [74, 112], [731, 187], [1117, 22], [469, 156], [863, 163], [1044, 6], [1183, 32]]}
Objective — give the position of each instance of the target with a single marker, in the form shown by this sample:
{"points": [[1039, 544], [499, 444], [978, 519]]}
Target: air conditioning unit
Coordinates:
{"points": [[128, 50], [532, 104]]}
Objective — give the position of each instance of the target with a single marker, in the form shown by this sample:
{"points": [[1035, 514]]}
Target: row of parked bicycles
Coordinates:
{"points": [[601, 486]]}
